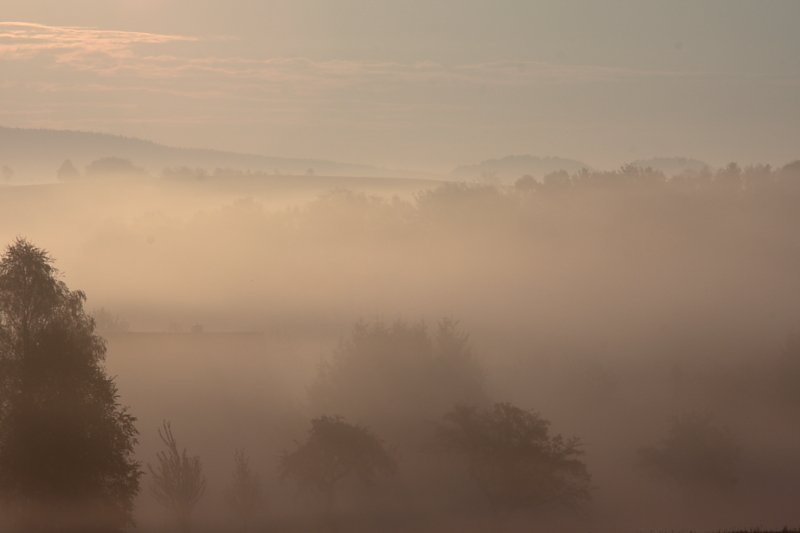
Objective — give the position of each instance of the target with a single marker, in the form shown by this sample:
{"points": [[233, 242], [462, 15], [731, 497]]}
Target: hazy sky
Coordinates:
{"points": [[421, 84]]}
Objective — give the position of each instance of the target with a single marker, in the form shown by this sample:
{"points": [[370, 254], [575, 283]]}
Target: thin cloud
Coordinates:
{"points": [[26, 36], [81, 48], [170, 81], [109, 52]]}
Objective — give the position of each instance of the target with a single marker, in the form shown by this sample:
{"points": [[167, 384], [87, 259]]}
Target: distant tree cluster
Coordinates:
{"points": [[103, 168], [404, 370], [731, 177], [107, 322]]}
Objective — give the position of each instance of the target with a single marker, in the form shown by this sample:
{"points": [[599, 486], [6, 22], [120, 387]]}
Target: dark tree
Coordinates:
{"points": [[7, 173], [107, 322], [67, 171], [514, 461], [66, 444], [788, 372], [696, 455], [113, 167], [400, 370], [245, 495], [333, 451], [178, 482]]}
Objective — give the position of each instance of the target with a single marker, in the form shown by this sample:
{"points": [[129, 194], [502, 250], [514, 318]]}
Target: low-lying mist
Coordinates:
{"points": [[623, 307]]}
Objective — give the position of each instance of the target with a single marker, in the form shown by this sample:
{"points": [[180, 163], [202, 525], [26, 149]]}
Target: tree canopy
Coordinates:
{"points": [[66, 444], [399, 370], [513, 459], [334, 450], [695, 454]]}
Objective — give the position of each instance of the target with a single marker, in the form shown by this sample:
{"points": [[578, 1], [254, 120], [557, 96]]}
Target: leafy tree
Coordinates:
{"points": [[514, 461], [7, 173], [790, 174], [107, 322], [178, 482], [399, 370], [730, 176], [788, 371], [66, 445], [67, 171], [245, 495], [115, 167], [695, 454], [333, 451]]}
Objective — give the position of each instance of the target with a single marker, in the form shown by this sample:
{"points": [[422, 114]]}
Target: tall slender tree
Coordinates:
{"points": [[66, 444], [178, 482], [245, 495]]}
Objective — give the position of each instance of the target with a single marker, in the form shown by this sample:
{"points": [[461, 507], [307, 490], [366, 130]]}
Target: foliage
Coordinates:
{"points": [[66, 445], [514, 461], [67, 171], [116, 167], [695, 454], [178, 482], [245, 495], [344, 214], [789, 370], [333, 451], [107, 322], [454, 205], [399, 370]]}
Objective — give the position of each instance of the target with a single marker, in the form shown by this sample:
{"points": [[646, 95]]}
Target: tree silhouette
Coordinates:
{"points": [[245, 495], [7, 173], [789, 370], [178, 482], [67, 171], [399, 370], [333, 451], [107, 322], [114, 167], [66, 445], [514, 461], [696, 455]]}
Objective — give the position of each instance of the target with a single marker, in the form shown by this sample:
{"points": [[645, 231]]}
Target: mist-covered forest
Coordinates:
{"points": [[590, 351]]}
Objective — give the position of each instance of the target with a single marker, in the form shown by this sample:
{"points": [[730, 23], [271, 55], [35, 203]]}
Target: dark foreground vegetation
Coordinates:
{"points": [[617, 354]]}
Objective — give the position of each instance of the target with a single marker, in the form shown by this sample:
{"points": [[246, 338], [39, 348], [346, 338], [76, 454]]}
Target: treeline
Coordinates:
{"points": [[731, 203], [731, 177]]}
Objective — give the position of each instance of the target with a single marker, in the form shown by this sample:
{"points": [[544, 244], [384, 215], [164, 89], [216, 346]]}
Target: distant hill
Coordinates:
{"points": [[671, 166], [35, 155], [511, 168]]}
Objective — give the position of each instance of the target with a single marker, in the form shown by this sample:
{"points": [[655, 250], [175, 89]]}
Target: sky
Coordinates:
{"points": [[427, 85]]}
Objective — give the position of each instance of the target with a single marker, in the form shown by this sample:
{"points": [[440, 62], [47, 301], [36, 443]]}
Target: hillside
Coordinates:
{"points": [[34, 155]]}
